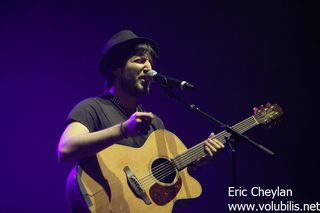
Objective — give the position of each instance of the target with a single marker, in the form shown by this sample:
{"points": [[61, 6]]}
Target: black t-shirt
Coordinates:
{"points": [[98, 113]]}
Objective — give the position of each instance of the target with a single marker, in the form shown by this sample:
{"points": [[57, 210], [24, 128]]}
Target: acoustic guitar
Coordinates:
{"points": [[151, 178]]}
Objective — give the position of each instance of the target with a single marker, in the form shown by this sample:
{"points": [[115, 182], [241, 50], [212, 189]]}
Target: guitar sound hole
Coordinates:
{"points": [[163, 170]]}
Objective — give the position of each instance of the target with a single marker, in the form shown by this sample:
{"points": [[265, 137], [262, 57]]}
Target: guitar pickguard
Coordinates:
{"points": [[162, 195]]}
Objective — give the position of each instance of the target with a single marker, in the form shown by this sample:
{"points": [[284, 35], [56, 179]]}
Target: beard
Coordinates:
{"points": [[133, 85]]}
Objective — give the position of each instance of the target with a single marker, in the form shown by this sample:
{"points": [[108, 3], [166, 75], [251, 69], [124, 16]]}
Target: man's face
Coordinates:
{"points": [[133, 79]]}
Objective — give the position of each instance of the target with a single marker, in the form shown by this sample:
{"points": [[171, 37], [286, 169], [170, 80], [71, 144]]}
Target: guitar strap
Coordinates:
{"points": [[115, 103], [115, 114]]}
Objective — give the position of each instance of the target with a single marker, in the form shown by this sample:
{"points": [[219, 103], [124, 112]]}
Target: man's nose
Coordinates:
{"points": [[147, 66], [146, 70]]}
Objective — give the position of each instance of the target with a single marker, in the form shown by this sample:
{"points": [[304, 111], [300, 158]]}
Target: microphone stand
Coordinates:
{"points": [[232, 140]]}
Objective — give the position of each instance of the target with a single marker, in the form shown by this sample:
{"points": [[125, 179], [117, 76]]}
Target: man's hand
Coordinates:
{"points": [[138, 124], [212, 145]]}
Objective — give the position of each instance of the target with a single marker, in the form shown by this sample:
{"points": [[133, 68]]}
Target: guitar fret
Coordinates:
{"points": [[194, 153]]}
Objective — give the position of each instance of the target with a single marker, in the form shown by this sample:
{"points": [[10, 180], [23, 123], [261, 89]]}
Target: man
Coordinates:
{"points": [[115, 117]]}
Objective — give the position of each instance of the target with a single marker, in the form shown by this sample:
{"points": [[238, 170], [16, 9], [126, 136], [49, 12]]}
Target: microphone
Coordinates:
{"points": [[169, 82]]}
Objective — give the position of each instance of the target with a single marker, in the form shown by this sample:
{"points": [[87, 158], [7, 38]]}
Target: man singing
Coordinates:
{"points": [[116, 117]]}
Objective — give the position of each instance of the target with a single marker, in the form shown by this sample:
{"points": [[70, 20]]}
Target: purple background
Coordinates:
{"points": [[239, 55]]}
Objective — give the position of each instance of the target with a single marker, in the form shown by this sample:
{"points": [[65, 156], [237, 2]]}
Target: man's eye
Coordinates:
{"points": [[139, 60]]}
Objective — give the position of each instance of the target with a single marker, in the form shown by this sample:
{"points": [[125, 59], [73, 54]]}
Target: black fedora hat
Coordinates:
{"points": [[118, 43]]}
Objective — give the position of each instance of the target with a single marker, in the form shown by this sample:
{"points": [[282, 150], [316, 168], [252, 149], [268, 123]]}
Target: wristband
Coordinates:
{"points": [[123, 130]]}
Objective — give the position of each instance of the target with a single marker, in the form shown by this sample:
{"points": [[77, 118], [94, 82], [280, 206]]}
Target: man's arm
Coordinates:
{"points": [[77, 142]]}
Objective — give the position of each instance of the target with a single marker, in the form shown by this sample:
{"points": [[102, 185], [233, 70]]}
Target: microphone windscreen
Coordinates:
{"points": [[151, 73]]}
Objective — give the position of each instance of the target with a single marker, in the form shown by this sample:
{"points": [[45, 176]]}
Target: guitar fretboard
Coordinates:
{"points": [[194, 153]]}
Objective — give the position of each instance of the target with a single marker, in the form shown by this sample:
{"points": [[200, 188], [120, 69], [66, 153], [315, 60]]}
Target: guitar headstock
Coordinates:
{"points": [[267, 114]]}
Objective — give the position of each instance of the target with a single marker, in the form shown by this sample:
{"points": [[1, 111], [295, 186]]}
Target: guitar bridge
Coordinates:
{"points": [[135, 186]]}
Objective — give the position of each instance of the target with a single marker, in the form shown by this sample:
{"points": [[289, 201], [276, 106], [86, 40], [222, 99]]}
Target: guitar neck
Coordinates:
{"points": [[194, 153]]}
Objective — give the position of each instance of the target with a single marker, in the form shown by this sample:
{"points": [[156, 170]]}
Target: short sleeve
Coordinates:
{"points": [[84, 113]]}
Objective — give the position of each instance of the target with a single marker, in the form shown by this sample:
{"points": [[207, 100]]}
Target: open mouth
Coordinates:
{"points": [[144, 80]]}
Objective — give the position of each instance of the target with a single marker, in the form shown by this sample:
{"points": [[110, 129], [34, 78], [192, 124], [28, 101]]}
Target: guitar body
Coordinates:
{"points": [[107, 189]]}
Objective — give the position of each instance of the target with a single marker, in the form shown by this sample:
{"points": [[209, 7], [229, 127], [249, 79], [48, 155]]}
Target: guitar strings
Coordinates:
{"points": [[196, 154], [241, 128], [189, 157], [193, 153], [219, 136], [171, 170]]}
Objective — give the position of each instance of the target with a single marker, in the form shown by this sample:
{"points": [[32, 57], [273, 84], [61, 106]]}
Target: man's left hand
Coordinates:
{"points": [[212, 145]]}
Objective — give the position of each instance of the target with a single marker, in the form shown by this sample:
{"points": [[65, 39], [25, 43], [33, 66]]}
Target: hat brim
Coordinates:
{"points": [[107, 57]]}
